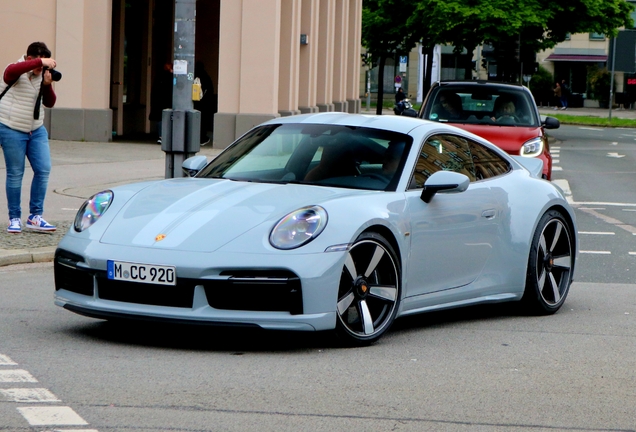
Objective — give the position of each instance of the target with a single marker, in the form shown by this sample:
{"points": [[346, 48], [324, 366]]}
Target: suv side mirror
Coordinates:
{"points": [[551, 123]]}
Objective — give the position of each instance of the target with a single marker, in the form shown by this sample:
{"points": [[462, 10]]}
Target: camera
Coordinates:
{"points": [[55, 75]]}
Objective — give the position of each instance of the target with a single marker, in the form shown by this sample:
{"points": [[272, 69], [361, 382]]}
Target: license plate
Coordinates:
{"points": [[142, 273]]}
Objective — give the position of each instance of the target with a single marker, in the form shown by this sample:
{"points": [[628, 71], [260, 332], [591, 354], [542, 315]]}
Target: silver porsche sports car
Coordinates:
{"points": [[326, 221]]}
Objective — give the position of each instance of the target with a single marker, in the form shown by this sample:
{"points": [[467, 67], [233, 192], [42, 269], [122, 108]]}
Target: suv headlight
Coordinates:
{"points": [[298, 227], [92, 210], [532, 148]]}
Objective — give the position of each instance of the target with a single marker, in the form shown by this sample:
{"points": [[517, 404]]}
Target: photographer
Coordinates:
{"points": [[22, 132]]}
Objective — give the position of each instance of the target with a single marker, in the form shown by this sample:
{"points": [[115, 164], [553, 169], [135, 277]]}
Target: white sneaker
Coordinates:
{"points": [[15, 226], [36, 222]]}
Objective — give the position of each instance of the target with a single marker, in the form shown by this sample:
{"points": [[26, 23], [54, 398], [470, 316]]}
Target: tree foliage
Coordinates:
{"points": [[541, 23], [385, 34], [390, 27]]}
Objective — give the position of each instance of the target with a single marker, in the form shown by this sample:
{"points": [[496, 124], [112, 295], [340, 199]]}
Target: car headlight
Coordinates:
{"points": [[92, 209], [532, 148], [298, 227]]}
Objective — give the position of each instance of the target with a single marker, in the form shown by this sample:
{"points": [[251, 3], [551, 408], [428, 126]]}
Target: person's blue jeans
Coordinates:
{"points": [[34, 146], [564, 101]]}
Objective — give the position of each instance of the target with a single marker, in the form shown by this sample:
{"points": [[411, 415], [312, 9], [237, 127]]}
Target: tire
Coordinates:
{"points": [[550, 265], [369, 291]]}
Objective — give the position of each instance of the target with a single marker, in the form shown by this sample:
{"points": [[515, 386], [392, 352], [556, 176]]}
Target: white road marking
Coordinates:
{"points": [[632, 253], [564, 185], [615, 155], [614, 143], [72, 430], [596, 252], [557, 168], [6, 361], [555, 161], [51, 416], [28, 395], [606, 204], [556, 148], [592, 129], [632, 210], [596, 233], [16, 375]]}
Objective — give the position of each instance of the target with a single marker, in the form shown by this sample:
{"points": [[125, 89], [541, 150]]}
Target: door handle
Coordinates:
{"points": [[489, 214]]}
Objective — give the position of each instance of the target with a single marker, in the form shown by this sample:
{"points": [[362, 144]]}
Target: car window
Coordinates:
{"points": [[330, 155], [446, 152], [481, 104]]}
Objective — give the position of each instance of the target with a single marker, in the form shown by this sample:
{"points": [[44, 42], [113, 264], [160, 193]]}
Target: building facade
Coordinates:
{"points": [[266, 58]]}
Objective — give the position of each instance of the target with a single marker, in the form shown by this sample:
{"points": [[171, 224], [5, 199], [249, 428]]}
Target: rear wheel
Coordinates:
{"points": [[550, 265], [369, 291]]}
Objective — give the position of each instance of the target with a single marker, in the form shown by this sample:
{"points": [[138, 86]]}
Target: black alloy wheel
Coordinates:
{"points": [[550, 265], [369, 291]]}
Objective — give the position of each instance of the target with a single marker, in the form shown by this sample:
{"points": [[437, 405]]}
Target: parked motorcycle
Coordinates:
{"points": [[404, 108]]}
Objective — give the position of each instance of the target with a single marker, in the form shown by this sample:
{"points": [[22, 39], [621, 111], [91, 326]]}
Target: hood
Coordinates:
{"points": [[204, 214], [508, 138]]}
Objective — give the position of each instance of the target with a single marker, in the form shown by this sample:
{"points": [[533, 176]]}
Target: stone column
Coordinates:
{"points": [[289, 58], [309, 26], [249, 60], [354, 60], [340, 55], [324, 76]]}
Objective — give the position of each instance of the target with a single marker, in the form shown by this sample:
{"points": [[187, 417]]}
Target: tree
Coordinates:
{"points": [[385, 34], [537, 24]]}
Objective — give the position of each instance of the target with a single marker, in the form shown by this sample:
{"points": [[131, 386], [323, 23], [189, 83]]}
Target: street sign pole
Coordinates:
{"points": [[180, 117], [612, 78]]}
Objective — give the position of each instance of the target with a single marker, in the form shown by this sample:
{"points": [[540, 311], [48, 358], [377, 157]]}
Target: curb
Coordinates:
{"points": [[26, 256]]}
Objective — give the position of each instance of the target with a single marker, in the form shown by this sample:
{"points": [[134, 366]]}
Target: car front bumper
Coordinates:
{"points": [[283, 291]]}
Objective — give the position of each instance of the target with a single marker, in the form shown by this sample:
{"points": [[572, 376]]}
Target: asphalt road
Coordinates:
{"points": [[477, 369], [598, 165]]}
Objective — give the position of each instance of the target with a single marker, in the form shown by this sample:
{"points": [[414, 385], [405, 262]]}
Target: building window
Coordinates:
{"points": [[568, 36], [597, 36]]}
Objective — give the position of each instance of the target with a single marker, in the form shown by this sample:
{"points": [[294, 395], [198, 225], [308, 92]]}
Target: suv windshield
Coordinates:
{"points": [[481, 104]]}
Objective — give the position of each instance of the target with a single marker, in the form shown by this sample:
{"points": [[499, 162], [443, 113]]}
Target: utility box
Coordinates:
{"points": [[180, 138]]}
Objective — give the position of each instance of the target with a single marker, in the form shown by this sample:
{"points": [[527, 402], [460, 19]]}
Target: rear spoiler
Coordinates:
{"points": [[534, 165]]}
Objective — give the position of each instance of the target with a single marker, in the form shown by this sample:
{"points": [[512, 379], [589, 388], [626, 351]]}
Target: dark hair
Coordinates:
{"points": [[38, 49]]}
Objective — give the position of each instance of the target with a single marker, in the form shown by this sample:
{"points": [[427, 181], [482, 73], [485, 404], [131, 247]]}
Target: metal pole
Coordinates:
{"points": [[183, 76], [184, 32], [368, 88], [612, 78]]}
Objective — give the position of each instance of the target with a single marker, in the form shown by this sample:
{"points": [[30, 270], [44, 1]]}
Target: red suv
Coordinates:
{"points": [[504, 114]]}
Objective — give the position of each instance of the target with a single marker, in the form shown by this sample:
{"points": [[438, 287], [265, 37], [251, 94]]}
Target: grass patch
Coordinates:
{"points": [[594, 121]]}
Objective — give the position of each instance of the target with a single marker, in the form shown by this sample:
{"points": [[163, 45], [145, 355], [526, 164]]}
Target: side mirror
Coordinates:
{"points": [[192, 165], [551, 123], [444, 182]]}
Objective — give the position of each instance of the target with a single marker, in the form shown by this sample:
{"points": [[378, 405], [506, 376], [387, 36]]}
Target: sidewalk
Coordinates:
{"points": [[81, 169], [593, 112]]}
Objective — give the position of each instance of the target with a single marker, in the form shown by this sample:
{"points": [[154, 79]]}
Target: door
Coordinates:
{"points": [[454, 235]]}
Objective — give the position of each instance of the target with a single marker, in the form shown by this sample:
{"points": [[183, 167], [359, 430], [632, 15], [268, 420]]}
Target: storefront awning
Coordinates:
{"points": [[577, 58]]}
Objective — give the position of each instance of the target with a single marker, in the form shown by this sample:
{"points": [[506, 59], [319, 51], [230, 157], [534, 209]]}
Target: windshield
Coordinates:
{"points": [[478, 104], [329, 155]]}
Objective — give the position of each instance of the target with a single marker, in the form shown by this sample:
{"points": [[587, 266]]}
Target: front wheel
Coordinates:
{"points": [[369, 291], [550, 265]]}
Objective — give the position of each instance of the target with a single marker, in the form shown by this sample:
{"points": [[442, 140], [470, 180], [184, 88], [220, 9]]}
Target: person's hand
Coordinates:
{"points": [[47, 79], [49, 62]]}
